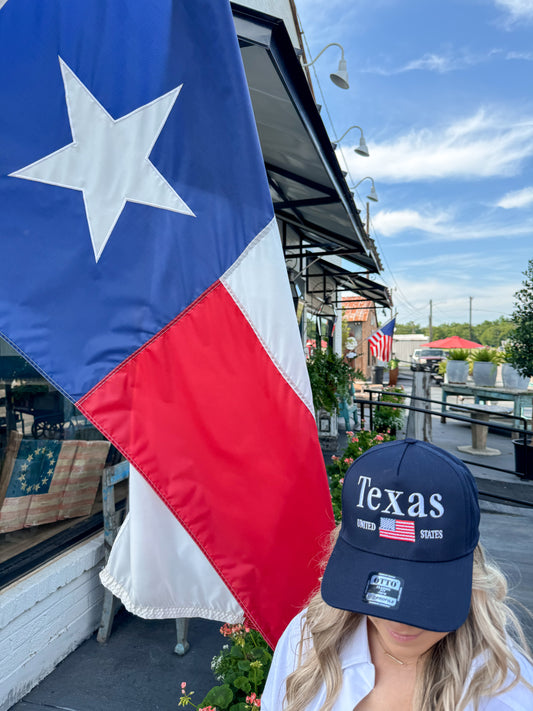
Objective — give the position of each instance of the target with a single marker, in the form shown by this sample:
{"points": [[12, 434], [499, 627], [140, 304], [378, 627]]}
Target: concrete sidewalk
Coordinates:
{"points": [[138, 671]]}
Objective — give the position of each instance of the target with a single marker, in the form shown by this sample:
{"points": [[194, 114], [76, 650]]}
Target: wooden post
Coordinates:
{"points": [[419, 423]]}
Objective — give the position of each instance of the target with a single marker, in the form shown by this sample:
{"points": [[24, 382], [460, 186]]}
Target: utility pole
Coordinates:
{"points": [[470, 319], [368, 219], [430, 320]]}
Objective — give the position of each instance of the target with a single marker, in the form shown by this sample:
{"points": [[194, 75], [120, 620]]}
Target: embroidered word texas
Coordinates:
{"points": [[372, 496]]}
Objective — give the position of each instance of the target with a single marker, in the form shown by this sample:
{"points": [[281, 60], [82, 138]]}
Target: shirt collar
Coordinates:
{"points": [[355, 649]]}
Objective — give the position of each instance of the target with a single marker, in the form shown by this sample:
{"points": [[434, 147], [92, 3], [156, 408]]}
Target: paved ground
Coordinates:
{"points": [[138, 671]]}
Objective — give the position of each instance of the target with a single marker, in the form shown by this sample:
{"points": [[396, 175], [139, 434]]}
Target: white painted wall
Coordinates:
{"points": [[403, 345], [277, 8], [46, 615]]}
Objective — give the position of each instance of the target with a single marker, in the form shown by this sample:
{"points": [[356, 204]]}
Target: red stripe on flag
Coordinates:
{"points": [[206, 417]]}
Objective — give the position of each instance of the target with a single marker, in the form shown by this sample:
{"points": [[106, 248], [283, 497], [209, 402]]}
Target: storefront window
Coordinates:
{"points": [[51, 464]]}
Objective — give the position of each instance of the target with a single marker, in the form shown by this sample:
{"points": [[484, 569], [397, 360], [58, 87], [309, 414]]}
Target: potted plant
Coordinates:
{"points": [[511, 378], [330, 379], [485, 366], [389, 419], [457, 366]]}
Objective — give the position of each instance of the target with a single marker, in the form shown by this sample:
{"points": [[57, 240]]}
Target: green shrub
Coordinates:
{"points": [[520, 347], [241, 667], [330, 379], [389, 419]]}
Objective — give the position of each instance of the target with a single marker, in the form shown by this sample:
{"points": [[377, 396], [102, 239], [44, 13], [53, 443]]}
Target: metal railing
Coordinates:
{"points": [[523, 431]]}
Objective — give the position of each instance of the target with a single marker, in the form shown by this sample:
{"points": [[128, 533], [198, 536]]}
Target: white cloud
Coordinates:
{"points": [[526, 56], [448, 62], [433, 62], [479, 146], [440, 226], [517, 198], [391, 222], [518, 10]]}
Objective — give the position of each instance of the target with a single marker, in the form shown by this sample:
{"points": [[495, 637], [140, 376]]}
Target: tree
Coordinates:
{"points": [[409, 327], [451, 329], [492, 333], [520, 348], [489, 333]]}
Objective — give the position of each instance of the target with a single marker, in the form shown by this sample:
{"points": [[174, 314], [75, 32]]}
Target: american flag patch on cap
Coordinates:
{"points": [[398, 530]]}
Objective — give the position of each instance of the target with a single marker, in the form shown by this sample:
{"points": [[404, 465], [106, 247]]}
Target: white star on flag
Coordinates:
{"points": [[108, 159]]}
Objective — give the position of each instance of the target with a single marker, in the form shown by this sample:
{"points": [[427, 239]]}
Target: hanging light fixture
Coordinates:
{"points": [[372, 195], [362, 149], [340, 77]]}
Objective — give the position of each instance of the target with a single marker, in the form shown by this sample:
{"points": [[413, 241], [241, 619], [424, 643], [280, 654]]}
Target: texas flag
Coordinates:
{"points": [[143, 276]]}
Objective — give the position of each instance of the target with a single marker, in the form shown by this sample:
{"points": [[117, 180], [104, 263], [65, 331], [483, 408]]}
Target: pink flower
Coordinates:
{"points": [[354, 439], [334, 458], [348, 460], [349, 434], [183, 685], [379, 438], [341, 481]]}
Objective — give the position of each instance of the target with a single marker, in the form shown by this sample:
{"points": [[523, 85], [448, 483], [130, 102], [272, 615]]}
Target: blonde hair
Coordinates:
{"points": [[441, 685]]}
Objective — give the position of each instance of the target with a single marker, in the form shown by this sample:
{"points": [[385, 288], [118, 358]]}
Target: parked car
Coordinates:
{"points": [[427, 359]]}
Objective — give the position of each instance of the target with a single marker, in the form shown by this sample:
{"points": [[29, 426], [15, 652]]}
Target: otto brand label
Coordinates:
{"points": [[396, 502], [383, 590]]}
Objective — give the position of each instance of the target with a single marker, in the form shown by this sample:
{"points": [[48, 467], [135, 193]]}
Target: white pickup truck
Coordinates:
{"points": [[427, 359]]}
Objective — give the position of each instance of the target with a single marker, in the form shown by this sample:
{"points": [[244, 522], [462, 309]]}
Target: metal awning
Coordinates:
{"points": [[312, 201], [325, 279]]}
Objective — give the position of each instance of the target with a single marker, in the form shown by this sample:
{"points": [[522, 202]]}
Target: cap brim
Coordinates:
{"points": [[433, 596]]}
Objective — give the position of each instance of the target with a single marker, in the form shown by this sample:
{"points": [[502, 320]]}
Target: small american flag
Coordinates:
{"points": [[398, 530], [46, 481], [381, 341]]}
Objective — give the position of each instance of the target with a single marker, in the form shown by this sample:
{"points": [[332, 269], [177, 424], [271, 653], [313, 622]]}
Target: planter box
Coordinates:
{"points": [[523, 457], [512, 379], [484, 373], [457, 371]]}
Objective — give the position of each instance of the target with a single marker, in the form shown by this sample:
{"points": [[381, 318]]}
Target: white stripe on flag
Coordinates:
{"points": [[158, 571], [261, 270]]}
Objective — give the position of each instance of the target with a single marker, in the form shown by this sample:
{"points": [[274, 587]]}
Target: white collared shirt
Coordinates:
{"points": [[359, 675]]}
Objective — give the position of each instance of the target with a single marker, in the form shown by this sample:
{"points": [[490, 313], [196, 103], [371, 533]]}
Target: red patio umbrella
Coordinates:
{"points": [[453, 342]]}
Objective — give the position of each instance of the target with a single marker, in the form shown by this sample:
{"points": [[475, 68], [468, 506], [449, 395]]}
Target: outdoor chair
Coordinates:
{"points": [[113, 517]]}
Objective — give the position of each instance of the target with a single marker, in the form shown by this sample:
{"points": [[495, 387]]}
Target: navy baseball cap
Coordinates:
{"points": [[410, 524]]}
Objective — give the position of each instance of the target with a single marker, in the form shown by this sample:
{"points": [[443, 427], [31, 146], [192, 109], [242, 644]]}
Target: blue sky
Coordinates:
{"points": [[444, 94]]}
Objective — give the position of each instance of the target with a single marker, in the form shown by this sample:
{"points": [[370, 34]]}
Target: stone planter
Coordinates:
{"points": [[457, 371], [484, 373], [512, 379], [523, 458]]}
